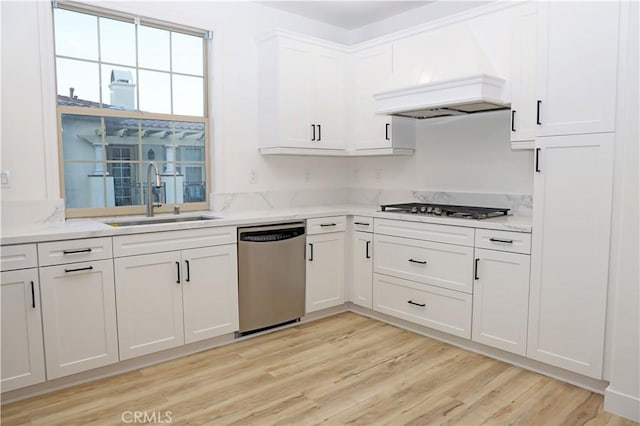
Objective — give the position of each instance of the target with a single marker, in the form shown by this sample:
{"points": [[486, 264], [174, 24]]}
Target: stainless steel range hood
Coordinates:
{"points": [[460, 96]]}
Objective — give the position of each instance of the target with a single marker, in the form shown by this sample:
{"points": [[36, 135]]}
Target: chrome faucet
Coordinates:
{"points": [[151, 167]]}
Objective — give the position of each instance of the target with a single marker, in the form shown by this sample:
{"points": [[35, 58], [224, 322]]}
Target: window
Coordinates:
{"points": [[130, 91]]}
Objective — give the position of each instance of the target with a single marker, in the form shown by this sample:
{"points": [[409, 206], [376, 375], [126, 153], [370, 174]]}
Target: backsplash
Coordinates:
{"points": [[520, 204], [30, 212]]}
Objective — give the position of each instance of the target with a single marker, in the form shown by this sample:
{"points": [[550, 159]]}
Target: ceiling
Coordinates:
{"points": [[346, 14]]}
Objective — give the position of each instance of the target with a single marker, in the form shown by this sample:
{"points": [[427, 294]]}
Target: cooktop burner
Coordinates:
{"points": [[468, 212]]}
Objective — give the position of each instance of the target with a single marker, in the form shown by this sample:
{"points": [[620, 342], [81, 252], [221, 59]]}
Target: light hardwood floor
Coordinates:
{"points": [[338, 370]]}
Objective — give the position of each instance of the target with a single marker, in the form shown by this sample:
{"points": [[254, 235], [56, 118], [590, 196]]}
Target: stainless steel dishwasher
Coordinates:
{"points": [[271, 275]]}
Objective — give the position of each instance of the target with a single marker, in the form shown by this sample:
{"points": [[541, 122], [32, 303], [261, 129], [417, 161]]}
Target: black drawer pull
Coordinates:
{"points": [[475, 270], [33, 296], [386, 131], [310, 252], [367, 254], [498, 240], [188, 278], [537, 160], [313, 127], [422, 305], [88, 268], [178, 270], [322, 225], [422, 262], [513, 120], [84, 250], [319, 132], [538, 122], [361, 223]]}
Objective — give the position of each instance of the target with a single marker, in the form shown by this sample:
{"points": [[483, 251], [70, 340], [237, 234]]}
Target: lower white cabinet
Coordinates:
{"points": [[362, 269], [79, 317], [172, 298], [434, 307], [22, 352], [501, 300], [325, 271]]}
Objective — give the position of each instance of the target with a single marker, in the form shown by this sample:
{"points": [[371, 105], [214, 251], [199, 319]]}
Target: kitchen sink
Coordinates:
{"points": [[158, 220]]}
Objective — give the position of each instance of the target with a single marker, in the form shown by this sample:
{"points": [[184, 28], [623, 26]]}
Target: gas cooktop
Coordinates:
{"points": [[468, 212]]}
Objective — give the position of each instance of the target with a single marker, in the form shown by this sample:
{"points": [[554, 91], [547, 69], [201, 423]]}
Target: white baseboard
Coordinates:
{"points": [[622, 404]]}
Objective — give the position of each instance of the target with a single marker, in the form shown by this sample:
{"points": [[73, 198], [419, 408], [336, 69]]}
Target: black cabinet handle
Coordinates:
{"points": [[386, 131], [313, 128], [310, 252], [323, 225], [498, 240], [411, 302], [33, 296], [513, 120], [178, 269], [538, 122], [538, 160], [319, 133], [422, 262], [188, 278], [84, 250], [88, 268], [367, 255], [361, 223], [475, 270]]}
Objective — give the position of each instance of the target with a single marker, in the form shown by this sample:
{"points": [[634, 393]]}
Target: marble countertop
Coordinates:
{"points": [[86, 228]]}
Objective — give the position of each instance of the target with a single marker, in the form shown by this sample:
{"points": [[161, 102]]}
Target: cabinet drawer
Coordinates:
{"points": [[441, 309], [515, 242], [443, 265], [363, 223], [20, 256], [324, 225], [61, 252], [425, 231], [157, 242]]}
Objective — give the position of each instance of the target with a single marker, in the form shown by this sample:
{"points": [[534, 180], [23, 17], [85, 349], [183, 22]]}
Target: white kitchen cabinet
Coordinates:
{"points": [[501, 300], [374, 133], [78, 316], [210, 292], [577, 67], [570, 251], [302, 94], [22, 348], [166, 297], [361, 268], [149, 300], [523, 78], [325, 270]]}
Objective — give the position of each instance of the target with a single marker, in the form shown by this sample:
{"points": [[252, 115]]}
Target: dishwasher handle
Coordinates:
{"points": [[269, 236]]}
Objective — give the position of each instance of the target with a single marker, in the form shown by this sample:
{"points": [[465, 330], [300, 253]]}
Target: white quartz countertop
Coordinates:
{"points": [[86, 228]]}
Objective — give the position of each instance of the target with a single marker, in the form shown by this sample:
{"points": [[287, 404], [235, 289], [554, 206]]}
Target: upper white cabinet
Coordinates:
{"points": [[22, 349], [523, 79], [302, 95], [577, 67], [570, 251], [373, 133], [325, 263]]}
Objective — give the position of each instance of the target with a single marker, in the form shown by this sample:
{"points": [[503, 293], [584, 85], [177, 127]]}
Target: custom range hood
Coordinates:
{"points": [[460, 96]]}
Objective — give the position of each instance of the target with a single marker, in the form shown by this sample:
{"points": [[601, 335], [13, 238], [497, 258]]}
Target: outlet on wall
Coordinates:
{"points": [[253, 177], [4, 178]]}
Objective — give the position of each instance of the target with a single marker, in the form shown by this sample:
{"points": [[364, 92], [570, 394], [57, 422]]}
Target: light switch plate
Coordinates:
{"points": [[4, 178]]}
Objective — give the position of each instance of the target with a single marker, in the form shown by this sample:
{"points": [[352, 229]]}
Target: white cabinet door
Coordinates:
{"points": [[329, 99], [372, 69], [577, 66], [79, 317], [149, 301], [295, 94], [22, 351], [210, 292], [523, 79], [325, 271], [570, 251], [362, 269], [501, 300]]}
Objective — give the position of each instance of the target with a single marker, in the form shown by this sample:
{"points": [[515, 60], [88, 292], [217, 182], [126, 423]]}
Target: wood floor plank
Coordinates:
{"points": [[345, 369]]}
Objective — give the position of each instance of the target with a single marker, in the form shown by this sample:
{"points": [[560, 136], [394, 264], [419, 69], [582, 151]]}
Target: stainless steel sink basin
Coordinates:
{"points": [[157, 220]]}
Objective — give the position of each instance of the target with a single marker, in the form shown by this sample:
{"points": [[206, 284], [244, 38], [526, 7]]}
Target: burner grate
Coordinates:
{"points": [[469, 212]]}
